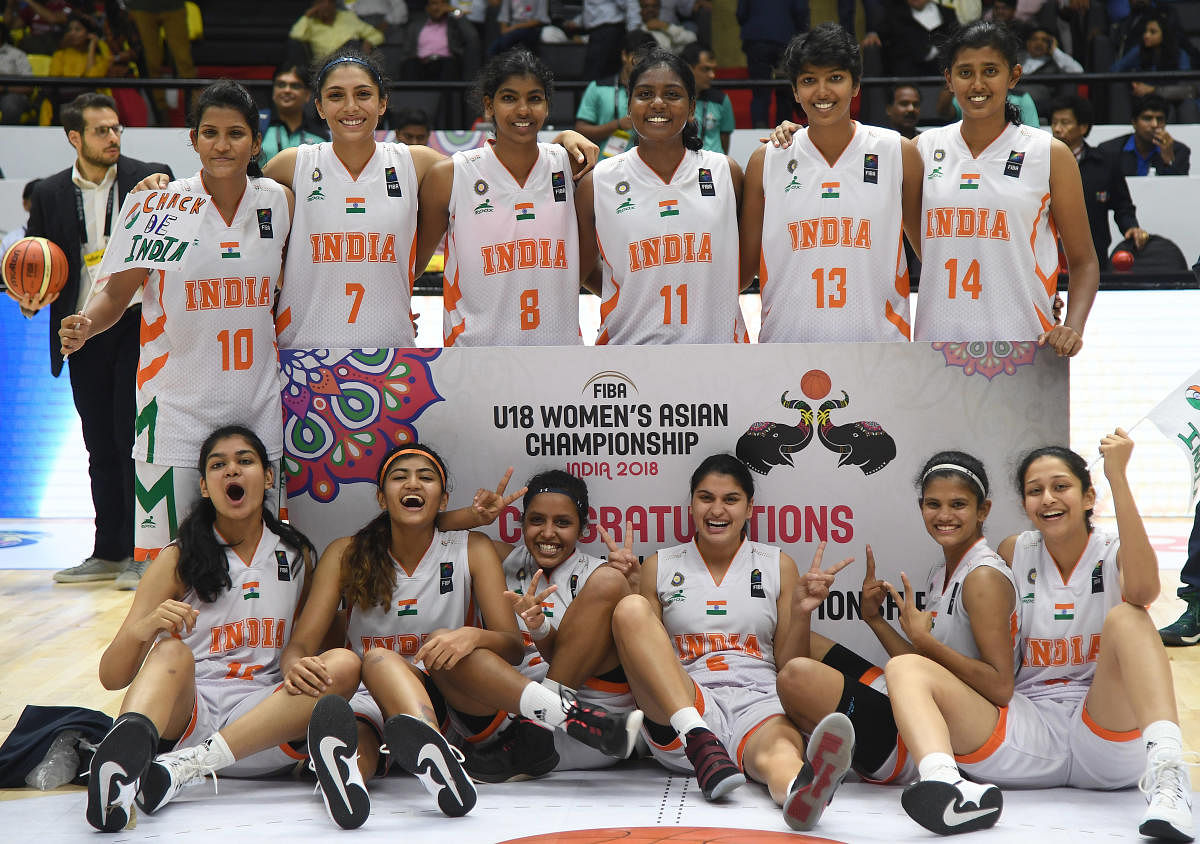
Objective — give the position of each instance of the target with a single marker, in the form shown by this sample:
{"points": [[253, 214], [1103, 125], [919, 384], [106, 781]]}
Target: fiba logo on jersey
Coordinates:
{"points": [[1012, 167], [446, 581], [756, 584]]}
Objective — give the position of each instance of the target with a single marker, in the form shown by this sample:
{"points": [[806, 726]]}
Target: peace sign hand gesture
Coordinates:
{"points": [[874, 590], [488, 505], [621, 557], [914, 622], [529, 605], [812, 588]]}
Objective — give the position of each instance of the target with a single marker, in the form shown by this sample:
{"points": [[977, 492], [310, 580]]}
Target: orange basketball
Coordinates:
{"points": [[815, 384], [33, 266]]}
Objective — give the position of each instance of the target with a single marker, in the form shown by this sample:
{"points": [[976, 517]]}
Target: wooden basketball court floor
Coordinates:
{"points": [[52, 635]]}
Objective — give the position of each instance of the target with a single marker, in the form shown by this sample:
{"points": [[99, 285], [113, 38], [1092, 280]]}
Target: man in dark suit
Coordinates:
{"points": [[1104, 186], [1150, 145], [76, 208]]}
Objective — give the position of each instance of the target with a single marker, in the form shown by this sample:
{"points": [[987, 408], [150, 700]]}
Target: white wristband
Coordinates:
{"points": [[541, 632]]}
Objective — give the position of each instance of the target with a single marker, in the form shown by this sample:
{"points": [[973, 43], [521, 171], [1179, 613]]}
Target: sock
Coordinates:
{"points": [[1163, 736], [686, 720], [939, 767], [563, 693], [216, 752], [542, 706]]}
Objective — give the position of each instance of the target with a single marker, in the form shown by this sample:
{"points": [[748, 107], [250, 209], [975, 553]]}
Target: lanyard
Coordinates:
{"points": [[108, 212]]}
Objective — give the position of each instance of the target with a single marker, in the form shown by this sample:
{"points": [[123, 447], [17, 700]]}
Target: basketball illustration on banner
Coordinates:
{"points": [[816, 384]]}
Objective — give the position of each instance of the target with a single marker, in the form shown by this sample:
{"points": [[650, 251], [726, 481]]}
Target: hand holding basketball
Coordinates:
{"points": [[35, 272], [74, 332]]}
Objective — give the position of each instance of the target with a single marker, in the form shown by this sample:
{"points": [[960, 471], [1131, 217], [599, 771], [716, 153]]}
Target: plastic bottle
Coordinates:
{"points": [[59, 765]]}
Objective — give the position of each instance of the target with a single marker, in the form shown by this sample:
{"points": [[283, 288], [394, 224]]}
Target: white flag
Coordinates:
{"points": [[1178, 417]]}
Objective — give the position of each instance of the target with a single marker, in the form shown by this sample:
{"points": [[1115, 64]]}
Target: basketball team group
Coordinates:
{"points": [[420, 643]]}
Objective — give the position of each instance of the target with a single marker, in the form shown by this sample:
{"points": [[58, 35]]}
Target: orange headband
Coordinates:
{"points": [[404, 452]]}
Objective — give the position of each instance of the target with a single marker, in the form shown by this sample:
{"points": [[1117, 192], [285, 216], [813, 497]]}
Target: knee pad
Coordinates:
{"points": [[870, 712]]}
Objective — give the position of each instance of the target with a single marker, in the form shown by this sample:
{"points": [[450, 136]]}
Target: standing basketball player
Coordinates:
{"points": [[996, 196], [1094, 705], [663, 219], [700, 642], [203, 366], [193, 678], [822, 217], [512, 258]]}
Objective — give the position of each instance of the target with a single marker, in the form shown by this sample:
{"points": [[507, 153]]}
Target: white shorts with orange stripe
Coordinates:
{"points": [[733, 713], [1049, 743], [221, 702], [899, 768]]}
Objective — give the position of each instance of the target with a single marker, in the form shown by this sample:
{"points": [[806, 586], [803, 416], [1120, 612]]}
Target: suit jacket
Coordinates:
{"points": [[53, 215], [1104, 190], [1127, 159]]}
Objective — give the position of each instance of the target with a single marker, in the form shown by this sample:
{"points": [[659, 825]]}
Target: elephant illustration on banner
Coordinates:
{"points": [[863, 444], [766, 445]]}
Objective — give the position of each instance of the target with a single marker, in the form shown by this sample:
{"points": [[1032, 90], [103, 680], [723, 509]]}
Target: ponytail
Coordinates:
{"points": [[368, 573], [691, 136], [1012, 112]]}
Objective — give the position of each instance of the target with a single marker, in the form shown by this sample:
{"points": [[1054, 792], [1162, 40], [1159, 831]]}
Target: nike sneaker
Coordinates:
{"points": [[950, 808], [422, 751], [333, 756]]}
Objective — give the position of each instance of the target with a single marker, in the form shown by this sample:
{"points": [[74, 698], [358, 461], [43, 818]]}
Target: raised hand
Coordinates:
{"points": [[812, 588], [488, 505], [874, 590], [1116, 448], [621, 557], [914, 622], [529, 605]]}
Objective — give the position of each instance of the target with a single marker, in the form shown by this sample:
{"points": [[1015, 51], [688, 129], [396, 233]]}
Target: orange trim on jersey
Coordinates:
{"points": [[991, 745], [151, 331], [897, 769], [354, 178], [762, 271], [1107, 734], [871, 675], [283, 320], [228, 222], [900, 322], [412, 263], [674, 172], [454, 334], [741, 748], [490, 729], [903, 282], [145, 373], [292, 753], [605, 685], [490, 144], [192, 722], [146, 554], [1049, 280], [706, 568]]}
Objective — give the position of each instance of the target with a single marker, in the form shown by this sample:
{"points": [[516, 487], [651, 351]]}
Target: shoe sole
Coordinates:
{"points": [[830, 751], [59, 577], [129, 746], [346, 799], [727, 786], [424, 752], [1163, 829], [633, 724], [928, 801], [127, 586], [153, 788]]}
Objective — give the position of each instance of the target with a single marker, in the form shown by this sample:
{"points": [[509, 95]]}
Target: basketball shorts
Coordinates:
{"points": [[733, 713], [221, 702], [164, 495], [1049, 743]]}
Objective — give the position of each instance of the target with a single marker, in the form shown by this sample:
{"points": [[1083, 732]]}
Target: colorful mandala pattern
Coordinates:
{"points": [[343, 410], [988, 359]]}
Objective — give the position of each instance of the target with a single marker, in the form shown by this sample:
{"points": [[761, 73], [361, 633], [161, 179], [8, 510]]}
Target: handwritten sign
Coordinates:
{"points": [[156, 230]]}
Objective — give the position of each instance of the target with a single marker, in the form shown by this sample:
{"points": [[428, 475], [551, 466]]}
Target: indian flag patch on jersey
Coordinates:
{"points": [[668, 208], [230, 249], [356, 205], [250, 590], [829, 190], [406, 607], [968, 181], [1064, 612], [715, 608], [547, 609], [524, 210]]}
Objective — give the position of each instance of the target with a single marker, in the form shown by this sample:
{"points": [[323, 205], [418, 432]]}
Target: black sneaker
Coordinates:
{"points": [[333, 756], [829, 751], [716, 773], [522, 751], [118, 765], [1186, 629], [612, 733], [422, 751], [951, 808]]}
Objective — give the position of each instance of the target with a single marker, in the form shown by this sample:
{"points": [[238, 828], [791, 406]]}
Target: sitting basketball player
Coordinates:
{"points": [[1094, 679], [411, 592], [199, 649], [699, 644]]}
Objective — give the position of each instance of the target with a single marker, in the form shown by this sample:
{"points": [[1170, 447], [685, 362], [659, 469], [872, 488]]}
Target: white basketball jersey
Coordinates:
{"points": [[512, 253], [951, 622], [240, 636], [724, 633], [833, 266], [569, 576], [437, 595], [669, 250], [208, 355], [350, 269], [989, 250], [1061, 622]]}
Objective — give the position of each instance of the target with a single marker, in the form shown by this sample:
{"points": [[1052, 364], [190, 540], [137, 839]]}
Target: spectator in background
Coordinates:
{"points": [[1042, 55], [1002, 11], [292, 123], [14, 99], [911, 33], [19, 232], [1104, 186], [606, 22], [412, 126], [603, 113], [389, 17], [714, 111], [1159, 50], [148, 17], [521, 22], [324, 28], [1150, 145], [695, 15], [83, 53], [904, 110], [767, 27], [670, 36], [441, 45], [44, 23]]}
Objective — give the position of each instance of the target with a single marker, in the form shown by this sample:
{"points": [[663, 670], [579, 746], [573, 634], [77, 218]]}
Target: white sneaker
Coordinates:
{"points": [[172, 772], [1169, 791], [951, 808]]}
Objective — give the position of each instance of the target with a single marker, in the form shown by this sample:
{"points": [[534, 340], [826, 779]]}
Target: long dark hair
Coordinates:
{"points": [[368, 573], [1074, 463], [225, 93], [658, 57], [978, 35], [1166, 55], [202, 564]]}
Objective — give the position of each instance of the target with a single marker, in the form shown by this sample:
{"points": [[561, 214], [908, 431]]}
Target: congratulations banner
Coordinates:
{"points": [[835, 434]]}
